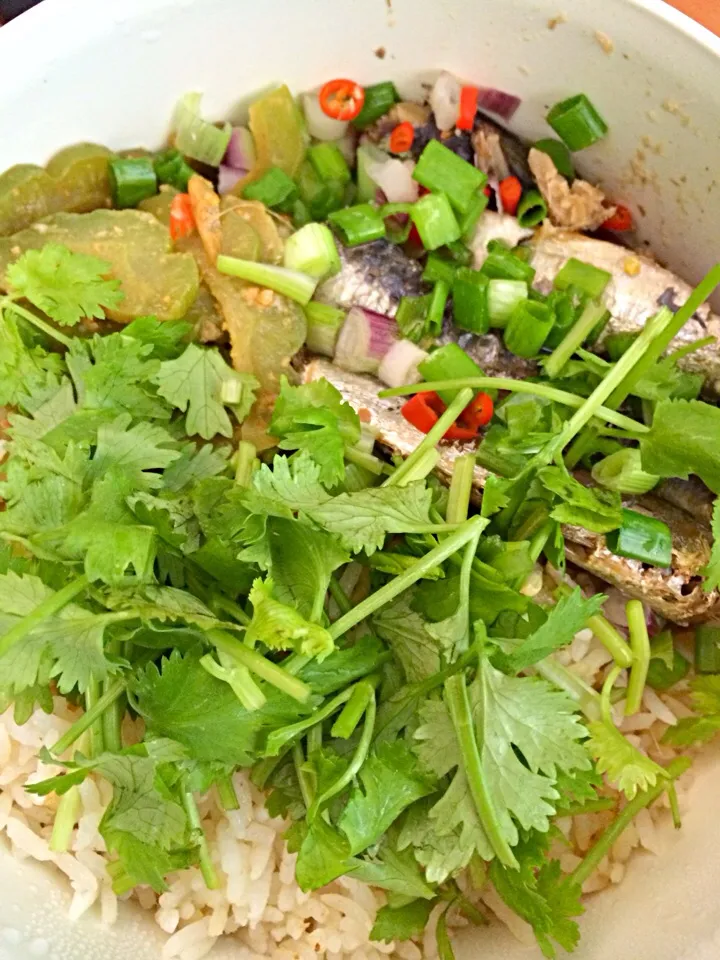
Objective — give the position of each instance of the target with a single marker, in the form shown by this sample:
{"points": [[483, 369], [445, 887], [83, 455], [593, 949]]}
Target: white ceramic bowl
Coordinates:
{"points": [[111, 70]]}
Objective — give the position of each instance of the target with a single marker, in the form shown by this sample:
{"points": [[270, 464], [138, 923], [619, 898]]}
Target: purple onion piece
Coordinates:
{"points": [[240, 151], [498, 102], [364, 340], [228, 176]]}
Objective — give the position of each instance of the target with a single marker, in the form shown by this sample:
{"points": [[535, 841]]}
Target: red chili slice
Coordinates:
{"points": [[620, 221], [342, 99]]}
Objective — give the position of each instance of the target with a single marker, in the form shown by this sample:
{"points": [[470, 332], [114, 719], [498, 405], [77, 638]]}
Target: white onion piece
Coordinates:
{"points": [[445, 101], [394, 177], [320, 125], [228, 176], [495, 226], [364, 340], [400, 364], [240, 151]]}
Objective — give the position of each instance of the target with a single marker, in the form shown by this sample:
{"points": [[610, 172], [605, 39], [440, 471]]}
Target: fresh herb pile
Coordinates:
{"points": [[337, 623]]}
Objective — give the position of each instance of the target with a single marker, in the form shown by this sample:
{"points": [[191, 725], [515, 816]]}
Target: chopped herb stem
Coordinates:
{"points": [[433, 436], [284, 735], [339, 596], [609, 637], [52, 605], [460, 489], [640, 646], [674, 769], [689, 348], [223, 603], [574, 338], [352, 712], [244, 462], [66, 816], [207, 867], [96, 738], [520, 386], [226, 792], [314, 739], [366, 460], [459, 706], [303, 776], [586, 698], [36, 322], [259, 665], [86, 721], [466, 532]]}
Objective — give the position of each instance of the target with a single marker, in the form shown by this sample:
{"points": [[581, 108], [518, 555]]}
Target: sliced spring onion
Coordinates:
{"points": [[528, 327], [587, 278], [461, 254], [642, 538], [436, 310], [359, 224], [379, 98], [367, 156], [559, 154], [442, 171], [439, 267], [503, 296], [132, 179], [502, 264], [577, 122], [197, 138], [319, 197], [364, 340], [562, 305], [329, 162], [312, 250], [707, 648], [469, 219], [274, 188], [411, 317], [172, 168], [622, 471], [449, 362], [323, 326], [532, 209], [435, 220], [290, 283], [470, 301]]}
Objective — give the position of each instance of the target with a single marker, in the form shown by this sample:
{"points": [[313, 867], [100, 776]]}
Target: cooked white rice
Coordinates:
{"points": [[259, 903]]}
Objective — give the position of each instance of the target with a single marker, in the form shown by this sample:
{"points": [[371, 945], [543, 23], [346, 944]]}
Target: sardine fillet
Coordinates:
{"points": [[675, 594]]}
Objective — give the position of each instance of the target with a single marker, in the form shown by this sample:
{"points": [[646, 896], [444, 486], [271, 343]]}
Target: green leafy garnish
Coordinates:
{"points": [[698, 424]]}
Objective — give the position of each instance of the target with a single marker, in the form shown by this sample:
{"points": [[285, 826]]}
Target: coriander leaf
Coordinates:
{"points": [[195, 382], [295, 482], [405, 632], [711, 570], [182, 701], [315, 418], [569, 615], [626, 767], [592, 508], [76, 647], [546, 900], [666, 381], [25, 371], [135, 450], [164, 604], [66, 286], [120, 377], [401, 923], [698, 424], [344, 666], [393, 870], [444, 840], [164, 337], [362, 520], [196, 462], [302, 560], [703, 728], [390, 783], [172, 517], [453, 633], [494, 497], [281, 627], [143, 864], [323, 857]]}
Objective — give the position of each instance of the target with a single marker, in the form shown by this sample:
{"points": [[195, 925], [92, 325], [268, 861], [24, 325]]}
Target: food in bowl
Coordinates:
{"points": [[322, 437]]}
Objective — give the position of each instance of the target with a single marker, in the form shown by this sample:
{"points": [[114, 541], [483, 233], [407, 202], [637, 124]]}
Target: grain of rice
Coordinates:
{"points": [[28, 842], [187, 937], [647, 832], [108, 905], [581, 644], [617, 872], [167, 918]]}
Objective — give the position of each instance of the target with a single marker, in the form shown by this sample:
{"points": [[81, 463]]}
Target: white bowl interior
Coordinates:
{"points": [[111, 72]]}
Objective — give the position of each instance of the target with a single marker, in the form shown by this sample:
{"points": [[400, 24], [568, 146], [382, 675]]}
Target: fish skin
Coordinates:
{"points": [[375, 276], [676, 594], [632, 300]]}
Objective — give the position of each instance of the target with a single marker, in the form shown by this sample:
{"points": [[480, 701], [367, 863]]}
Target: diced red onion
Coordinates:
{"points": [[228, 177], [498, 102], [364, 340], [394, 177], [400, 364], [445, 101], [320, 125], [240, 151]]}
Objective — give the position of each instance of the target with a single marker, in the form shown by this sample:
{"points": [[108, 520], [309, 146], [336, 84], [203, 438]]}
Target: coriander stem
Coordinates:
{"points": [[207, 867], [220, 602], [665, 337], [592, 806], [50, 606], [689, 348], [359, 757], [433, 436], [314, 739], [339, 595], [112, 718], [259, 665], [66, 817], [37, 322], [674, 806], [586, 698], [352, 712], [574, 338], [278, 738], [460, 489], [674, 769], [244, 463], [226, 792], [302, 775], [519, 386], [606, 694], [86, 721], [470, 529], [365, 460], [97, 730], [640, 646], [459, 705], [606, 633]]}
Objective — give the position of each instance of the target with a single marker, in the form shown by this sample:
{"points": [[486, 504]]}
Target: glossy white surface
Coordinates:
{"points": [[111, 70]]}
